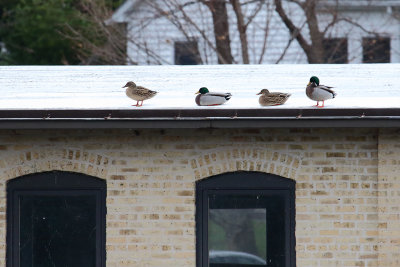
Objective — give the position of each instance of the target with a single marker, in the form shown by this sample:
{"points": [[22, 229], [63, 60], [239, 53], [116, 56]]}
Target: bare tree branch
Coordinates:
{"points": [[359, 26], [300, 4], [112, 48], [256, 11], [291, 39], [266, 33], [294, 31], [174, 9]]}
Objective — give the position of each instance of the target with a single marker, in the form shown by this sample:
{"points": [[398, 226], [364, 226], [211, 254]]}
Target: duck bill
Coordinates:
{"points": [[259, 93], [308, 83], [198, 92]]}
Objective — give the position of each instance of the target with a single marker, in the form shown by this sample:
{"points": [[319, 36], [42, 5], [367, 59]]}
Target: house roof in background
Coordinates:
{"points": [[124, 11], [368, 95]]}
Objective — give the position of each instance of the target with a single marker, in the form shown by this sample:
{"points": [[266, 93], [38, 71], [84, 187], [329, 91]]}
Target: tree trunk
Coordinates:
{"points": [[317, 53], [242, 30], [221, 30]]}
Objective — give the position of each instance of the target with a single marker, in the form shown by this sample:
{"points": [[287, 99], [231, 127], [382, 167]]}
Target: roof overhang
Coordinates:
{"points": [[181, 118]]}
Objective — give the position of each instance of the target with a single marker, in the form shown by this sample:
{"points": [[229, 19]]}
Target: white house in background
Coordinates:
{"points": [[154, 38]]}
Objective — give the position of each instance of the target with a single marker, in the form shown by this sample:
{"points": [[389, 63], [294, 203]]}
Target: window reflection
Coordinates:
{"points": [[237, 236]]}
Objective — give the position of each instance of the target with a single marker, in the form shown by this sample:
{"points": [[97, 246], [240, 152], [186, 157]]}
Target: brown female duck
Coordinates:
{"points": [[268, 98], [138, 93]]}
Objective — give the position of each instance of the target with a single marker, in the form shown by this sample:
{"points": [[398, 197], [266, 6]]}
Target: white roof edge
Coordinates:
{"points": [[122, 13]]}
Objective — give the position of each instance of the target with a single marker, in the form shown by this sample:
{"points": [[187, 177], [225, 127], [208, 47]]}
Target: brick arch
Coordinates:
{"points": [[246, 159], [49, 159]]}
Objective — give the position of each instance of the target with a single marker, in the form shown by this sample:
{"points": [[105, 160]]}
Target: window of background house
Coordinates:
{"points": [[245, 219], [56, 219], [335, 50], [187, 53], [376, 50]]}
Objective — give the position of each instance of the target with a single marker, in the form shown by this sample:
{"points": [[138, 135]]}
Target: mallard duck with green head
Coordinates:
{"points": [[207, 98], [268, 98], [138, 93], [318, 92]]}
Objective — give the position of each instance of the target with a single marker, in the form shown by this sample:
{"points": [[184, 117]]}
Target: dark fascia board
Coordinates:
{"points": [[199, 118]]}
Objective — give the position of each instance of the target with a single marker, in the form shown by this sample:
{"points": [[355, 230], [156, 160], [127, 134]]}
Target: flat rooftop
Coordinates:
{"points": [[72, 96]]}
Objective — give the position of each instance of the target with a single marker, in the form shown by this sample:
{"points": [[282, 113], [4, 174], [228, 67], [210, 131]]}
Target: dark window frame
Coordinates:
{"points": [[336, 50], [53, 183], [186, 53], [245, 183], [374, 50]]}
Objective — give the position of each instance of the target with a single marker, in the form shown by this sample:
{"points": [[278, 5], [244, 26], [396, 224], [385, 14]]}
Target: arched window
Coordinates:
{"points": [[245, 219], [56, 219]]}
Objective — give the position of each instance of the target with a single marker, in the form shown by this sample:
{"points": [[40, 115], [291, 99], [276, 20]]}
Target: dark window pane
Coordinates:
{"points": [[376, 50], [187, 53], [57, 230], [56, 219], [335, 50]]}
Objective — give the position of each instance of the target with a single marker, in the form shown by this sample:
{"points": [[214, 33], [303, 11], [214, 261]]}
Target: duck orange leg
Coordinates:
{"points": [[318, 106]]}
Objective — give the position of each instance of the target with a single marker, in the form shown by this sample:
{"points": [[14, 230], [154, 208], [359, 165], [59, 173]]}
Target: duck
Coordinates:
{"points": [[207, 98], [138, 93], [318, 92], [268, 98]]}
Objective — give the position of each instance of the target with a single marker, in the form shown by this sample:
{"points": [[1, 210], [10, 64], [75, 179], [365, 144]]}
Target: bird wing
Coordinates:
{"points": [[213, 98], [218, 94], [274, 98], [273, 94], [327, 89], [144, 91], [227, 96]]}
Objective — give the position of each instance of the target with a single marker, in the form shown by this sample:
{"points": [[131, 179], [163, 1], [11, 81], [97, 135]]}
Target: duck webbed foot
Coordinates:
{"points": [[137, 104]]}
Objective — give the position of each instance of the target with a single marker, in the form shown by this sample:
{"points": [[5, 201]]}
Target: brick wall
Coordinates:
{"points": [[347, 192], [389, 198]]}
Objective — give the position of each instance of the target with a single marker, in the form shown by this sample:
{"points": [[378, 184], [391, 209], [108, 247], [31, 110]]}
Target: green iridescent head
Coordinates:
{"points": [[203, 90], [314, 79]]}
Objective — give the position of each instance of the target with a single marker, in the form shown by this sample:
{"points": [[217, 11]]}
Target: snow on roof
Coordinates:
{"points": [[371, 86]]}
